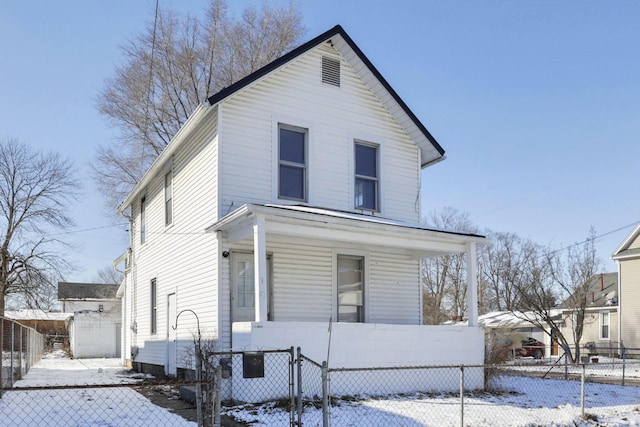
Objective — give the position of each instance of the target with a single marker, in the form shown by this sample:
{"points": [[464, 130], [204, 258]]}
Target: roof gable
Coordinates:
{"points": [[430, 150], [628, 248], [602, 291]]}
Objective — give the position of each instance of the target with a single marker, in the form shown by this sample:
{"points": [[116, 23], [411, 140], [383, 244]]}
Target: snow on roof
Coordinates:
{"points": [[507, 319], [35, 314]]}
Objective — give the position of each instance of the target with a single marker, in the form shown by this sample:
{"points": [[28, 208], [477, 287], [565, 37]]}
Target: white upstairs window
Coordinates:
{"points": [[367, 173], [292, 163]]}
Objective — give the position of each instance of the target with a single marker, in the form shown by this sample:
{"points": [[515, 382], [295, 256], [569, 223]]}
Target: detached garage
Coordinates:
{"points": [[95, 323]]}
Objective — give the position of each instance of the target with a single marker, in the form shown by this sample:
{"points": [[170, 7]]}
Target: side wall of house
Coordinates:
{"points": [[180, 257], [630, 302], [335, 117]]}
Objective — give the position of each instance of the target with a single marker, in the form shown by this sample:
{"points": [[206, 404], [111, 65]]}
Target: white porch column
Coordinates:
{"points": [[260, 269], [472, 284]]}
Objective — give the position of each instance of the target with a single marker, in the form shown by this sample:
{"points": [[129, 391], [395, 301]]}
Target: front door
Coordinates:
{"points": [[243, 288], [171, 334]]}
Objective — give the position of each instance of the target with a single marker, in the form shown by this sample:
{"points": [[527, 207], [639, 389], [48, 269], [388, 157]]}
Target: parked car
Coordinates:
{"points": [[531, 348]]}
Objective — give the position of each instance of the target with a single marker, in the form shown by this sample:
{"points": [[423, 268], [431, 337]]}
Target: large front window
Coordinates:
{"points": [[292, 163], [350, 288], [367, 177]]}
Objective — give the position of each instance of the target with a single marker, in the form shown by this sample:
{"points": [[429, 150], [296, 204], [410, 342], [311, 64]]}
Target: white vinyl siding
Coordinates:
{"points": [[182, 257], [295, 95]]}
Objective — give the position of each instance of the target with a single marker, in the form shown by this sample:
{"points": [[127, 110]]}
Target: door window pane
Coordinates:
{"points": [[350, 288], [245, 295]]}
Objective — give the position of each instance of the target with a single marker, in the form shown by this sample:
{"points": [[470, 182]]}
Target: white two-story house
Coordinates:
{"points": [[289, 200]]}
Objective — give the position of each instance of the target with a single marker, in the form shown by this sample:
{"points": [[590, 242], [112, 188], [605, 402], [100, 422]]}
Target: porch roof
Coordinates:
{"points": [[326, 224]]}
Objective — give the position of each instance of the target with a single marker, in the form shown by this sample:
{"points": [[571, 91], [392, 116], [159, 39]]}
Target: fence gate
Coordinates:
{"points": [[245, 378]]}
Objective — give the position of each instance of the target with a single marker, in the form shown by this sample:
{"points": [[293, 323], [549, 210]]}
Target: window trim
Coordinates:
{"points": [[153, 299], [602, 323], [365, 285], [168, 213], [377, 179], [304, 167]]}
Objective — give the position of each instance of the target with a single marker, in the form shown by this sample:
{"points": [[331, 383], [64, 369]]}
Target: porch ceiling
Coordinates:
{"points": [[323, 224]]}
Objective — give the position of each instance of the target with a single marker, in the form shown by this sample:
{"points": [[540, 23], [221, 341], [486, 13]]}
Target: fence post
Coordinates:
{"points": [[20, 355], [199, 387], [1, 354], [624, 362], [566, 366], [218, 402], [13, 346], [325, 395], [582, 392], [299, 377], [292, 403], [461, 395]]}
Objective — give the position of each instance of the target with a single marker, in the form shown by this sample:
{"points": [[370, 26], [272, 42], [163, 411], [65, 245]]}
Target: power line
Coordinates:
{"points": [[596, 237], [87, 229]]}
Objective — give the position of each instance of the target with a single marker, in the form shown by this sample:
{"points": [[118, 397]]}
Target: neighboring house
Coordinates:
{"points": [[600, 326], [627, 256], [289, 200], [94, 326]]}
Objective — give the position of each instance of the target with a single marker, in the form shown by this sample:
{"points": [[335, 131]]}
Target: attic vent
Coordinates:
{"points": [[330, 71]]}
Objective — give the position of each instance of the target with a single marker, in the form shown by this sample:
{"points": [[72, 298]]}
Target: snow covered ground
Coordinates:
{"points": [[114, 406], [523, 401]]}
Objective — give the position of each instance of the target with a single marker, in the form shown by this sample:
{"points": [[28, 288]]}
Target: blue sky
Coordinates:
{"points": [[537, 104]]}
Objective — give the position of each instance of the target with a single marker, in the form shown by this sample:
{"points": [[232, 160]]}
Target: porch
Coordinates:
{"points": [[291, 271]]}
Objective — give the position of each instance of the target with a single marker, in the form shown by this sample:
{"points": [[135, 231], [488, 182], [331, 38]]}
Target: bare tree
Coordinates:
{"points": [[109, 275], [550, 278], [170, 68], [502, 264], [35, 191], [444, 278]]}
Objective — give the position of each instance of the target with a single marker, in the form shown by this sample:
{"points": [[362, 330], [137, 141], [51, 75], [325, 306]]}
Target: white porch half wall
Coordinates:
{"points": [[366, 345]]}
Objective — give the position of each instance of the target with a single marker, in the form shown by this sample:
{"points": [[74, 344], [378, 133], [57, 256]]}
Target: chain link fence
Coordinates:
{"points": [[142, 404], [283, 388], [21, 348]]}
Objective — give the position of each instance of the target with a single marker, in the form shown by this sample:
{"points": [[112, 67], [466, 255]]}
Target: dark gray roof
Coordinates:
{"points": [[82, 291], [602, 292]]}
